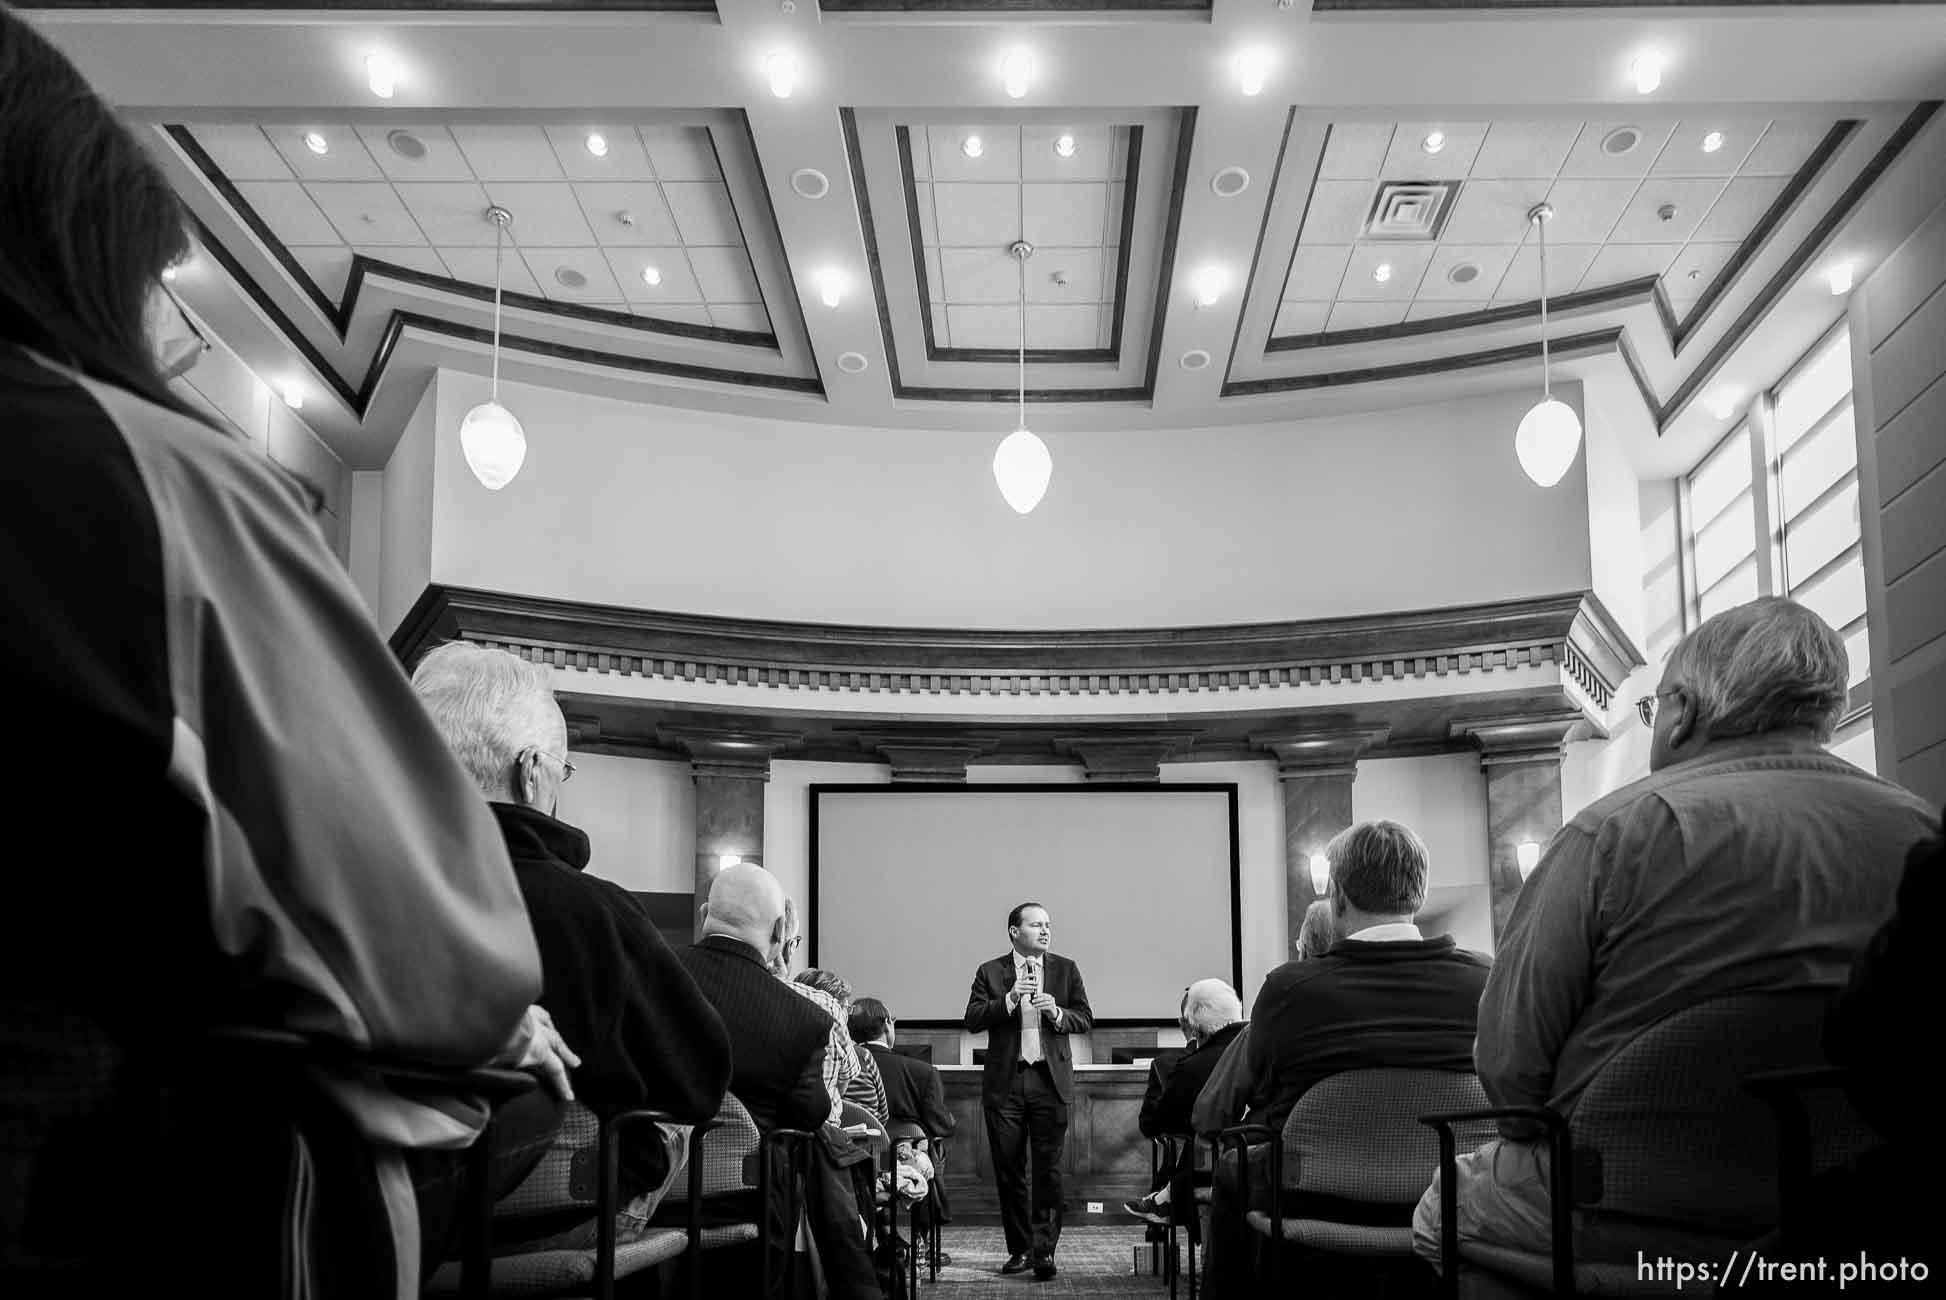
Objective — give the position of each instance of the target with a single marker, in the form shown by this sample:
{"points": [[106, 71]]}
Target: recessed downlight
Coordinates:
{"points": [[1463, 273], [406, 145], [1229, 182], [382, 75], [972, 146], [1195, 359], [1208, 285], [1712, 142], [1434, 142], [1839, 278], [1724, 402], [1382, 272], [810, 183], [292, 394], [1252, 68], [781, 69], [597, 144], [1646, 71], [1621, 141], [1064, 146], [651, 275], [316, 143], [831, 284], [1016, 73], [569, 278], [852, 363]]}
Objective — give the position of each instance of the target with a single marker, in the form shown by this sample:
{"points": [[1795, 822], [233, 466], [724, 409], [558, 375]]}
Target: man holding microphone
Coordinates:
{"points": [[1028, 1002]]}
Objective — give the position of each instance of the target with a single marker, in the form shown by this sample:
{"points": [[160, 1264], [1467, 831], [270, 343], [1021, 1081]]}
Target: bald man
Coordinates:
{"points": [[777, 1039]]}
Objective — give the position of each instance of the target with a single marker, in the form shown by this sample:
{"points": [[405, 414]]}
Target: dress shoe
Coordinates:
{"points": [[1015, 1264], [1044, 1270]]}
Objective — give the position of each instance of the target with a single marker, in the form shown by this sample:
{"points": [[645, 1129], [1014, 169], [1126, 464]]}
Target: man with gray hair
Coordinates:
{"points": [[1749, 860], [1212, 1016], [647, 1036]]}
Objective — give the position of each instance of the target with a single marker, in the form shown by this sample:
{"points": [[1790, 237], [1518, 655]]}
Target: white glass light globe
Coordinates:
{"points": [[1320, 873], [1547, 440], [1022, 468], [494, 444]]}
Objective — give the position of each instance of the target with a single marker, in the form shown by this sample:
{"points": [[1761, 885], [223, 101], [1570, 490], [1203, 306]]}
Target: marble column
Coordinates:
{"points": [[730, 770], [1315, 770], [1521, 757]]}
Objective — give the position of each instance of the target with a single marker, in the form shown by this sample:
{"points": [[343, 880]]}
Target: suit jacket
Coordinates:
{"points": [[913, 1092], [986, 1009], [1185, 1080], [777, 1038]]}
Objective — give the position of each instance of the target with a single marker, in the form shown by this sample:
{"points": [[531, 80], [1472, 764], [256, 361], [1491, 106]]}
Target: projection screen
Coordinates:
{"points": [[910, 888]]}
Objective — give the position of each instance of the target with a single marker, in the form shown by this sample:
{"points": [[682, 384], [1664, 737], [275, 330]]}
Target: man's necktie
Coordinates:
{"points": [[1030, 1019]]}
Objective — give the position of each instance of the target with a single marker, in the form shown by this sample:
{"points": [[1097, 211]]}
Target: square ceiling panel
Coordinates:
{"points": [[1649, 199], [415, 195]]}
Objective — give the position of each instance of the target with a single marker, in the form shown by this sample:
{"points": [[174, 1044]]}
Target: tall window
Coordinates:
{"points": [[1773, 510]]}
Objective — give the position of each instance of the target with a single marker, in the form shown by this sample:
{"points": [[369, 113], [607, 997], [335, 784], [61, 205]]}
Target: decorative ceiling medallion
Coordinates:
{"points": [[810, 183], [1229, 182], [1410, 211], [1621, 141], [852, 363], [1195, 359]]}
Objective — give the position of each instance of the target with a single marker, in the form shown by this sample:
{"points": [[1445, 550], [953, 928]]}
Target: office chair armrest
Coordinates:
{"points": [[1240, 1136], [1560, 1187]]}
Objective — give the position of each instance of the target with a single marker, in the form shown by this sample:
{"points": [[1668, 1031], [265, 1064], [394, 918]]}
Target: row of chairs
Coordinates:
{"points": [[1698, 1138]]}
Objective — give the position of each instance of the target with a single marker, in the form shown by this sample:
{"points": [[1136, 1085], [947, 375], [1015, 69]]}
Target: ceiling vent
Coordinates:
{"points": [[1409, 211]]}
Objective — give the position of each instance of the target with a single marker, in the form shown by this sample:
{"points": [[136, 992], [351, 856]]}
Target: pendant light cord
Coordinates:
{"points": [[1547, 388], [1022, 259], [499, 232]]}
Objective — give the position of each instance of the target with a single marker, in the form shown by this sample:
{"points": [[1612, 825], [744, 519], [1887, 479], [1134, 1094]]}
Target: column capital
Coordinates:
{"points": [[1125, 756], [1323, 751], [940, 759], [1519, 738], [737, 753]]}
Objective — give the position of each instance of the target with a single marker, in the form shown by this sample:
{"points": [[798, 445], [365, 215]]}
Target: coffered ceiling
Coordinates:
{"points": [[1202, 256]]}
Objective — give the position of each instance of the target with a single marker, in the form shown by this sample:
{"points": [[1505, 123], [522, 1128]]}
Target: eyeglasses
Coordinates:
{"points": [[1645, 707], [567, 768]]}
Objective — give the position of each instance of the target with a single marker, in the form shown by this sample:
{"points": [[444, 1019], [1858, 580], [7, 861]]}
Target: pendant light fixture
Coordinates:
{"points": [[1022, 466], [1550, 433], [494, 443]]}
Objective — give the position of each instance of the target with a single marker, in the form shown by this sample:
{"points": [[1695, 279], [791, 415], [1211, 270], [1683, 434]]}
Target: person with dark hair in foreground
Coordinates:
{"points": [[1749, 860], [285, 843], [1028, 1002]]}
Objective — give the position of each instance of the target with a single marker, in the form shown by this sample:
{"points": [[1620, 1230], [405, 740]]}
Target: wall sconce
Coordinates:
{"points": [[1320, 873], [727, 860], [1528, 854]]}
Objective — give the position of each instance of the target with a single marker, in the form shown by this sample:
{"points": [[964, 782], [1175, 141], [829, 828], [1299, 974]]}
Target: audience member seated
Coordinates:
{"points": [[647, 1037], [914, 1093], [1160, 1066], [1383, 995], [274, 836], [865, 1088], [1213, 1018], [1314, 937], [1749, 860]]}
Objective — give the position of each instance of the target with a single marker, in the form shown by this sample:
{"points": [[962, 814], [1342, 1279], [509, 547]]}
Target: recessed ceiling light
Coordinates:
{"points": [[1723, 404], [972, 146], [1252, 67], [1464, 273], [597, 144], [810, 183], [406, 145], [316, 143], [651, 275], [1229, 182], [1840, 278], [1712, 142], [1621, 141], [569, 278], [1064, 145], [852, 363], [293, 396], [1646, 71], [1195, 359], [781, 68], [831, 286], [1016, 70], [1382, 272], [381, 75], [1208, 285], [1434, 142]]}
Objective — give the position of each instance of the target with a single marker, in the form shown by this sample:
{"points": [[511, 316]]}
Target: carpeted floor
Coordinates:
{"points": [[1097, 1260]]}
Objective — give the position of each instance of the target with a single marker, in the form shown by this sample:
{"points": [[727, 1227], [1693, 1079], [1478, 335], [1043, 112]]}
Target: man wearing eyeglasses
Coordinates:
{"points": [[647, 1037]]}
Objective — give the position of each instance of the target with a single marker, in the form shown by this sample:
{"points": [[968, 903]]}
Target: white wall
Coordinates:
{"points": [[366, 527], [640, 816], [1614, 526], [1442, 798], [406, 518], [635, 505]]}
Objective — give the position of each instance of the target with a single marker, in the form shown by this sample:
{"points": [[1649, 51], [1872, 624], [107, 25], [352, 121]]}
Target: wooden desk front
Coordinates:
{"points": [[1106, 1158]]}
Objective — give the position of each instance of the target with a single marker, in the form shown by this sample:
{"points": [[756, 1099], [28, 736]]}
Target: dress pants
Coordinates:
{"points": [[1030, 1120]]}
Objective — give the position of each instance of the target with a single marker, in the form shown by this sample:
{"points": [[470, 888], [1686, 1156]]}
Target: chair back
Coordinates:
{"points": [[1666, 1132], [730, 1153], [565, 1178], [1356, 1135]]}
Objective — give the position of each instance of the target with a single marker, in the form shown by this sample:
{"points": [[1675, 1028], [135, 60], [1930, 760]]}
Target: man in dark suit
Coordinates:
{"points": [[1212, 1016], [1028, 1002], [777, 1039]]}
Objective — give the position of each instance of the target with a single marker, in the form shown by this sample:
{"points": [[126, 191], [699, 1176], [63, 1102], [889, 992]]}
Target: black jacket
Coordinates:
{"points": [[913, 1091], [777, 1038], [646, 1035], [986, 1009], [1185, 1080]]}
